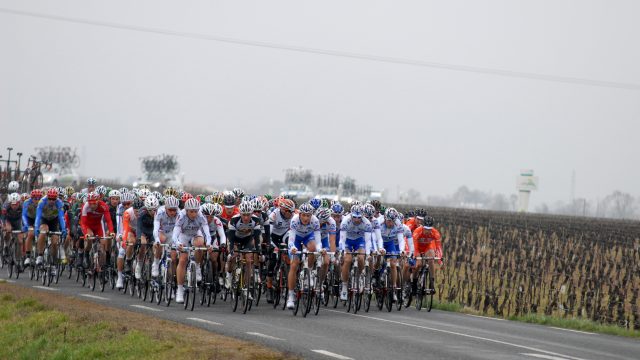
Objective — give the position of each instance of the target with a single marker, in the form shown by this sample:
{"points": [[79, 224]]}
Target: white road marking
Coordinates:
{"points": [[146, 308], [45, 288], [205, 321], [485, 317], [264, 336], [333, 355], [576, 331], [94, 297], [9, 281], [542, 356], [459, 334]]}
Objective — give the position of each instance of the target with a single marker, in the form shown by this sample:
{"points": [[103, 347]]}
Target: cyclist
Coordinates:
{"points": [[355, 233], [12, 219], [304, 232], [29, 209], [49, 217], [91, 185], [328, 231], [280, 221], [337, 210], [126, 203], [144, 230], [229, 208], [239, 195], [191, 228], [243, 234], [393, 240], [163, 224], [216, 230], [427, 242], [95, 213], [129, 222]]}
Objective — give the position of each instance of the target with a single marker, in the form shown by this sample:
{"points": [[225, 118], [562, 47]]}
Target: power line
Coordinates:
{"points": [[335, 53]]}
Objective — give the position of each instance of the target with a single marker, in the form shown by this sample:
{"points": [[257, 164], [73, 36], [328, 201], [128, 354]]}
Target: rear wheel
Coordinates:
{"points": [[368, 292], [429, 295], [194, 287], [388, 291], [235, 290], [420, 290]]}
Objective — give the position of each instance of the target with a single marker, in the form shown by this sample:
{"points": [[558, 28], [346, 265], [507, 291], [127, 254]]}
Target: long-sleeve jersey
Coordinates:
{"points": [[145, 224], [129, 221], [328, 228], [93, 218], [163, 222], [394, 234], [113, 212], [241, 230], [186, 226], [50, 210], [424, 238], [408, 235], [349, 230], [376, 237], [8, 213], [279, 224], [29, 209], [298, 229], [216, 229], [120, 220]]}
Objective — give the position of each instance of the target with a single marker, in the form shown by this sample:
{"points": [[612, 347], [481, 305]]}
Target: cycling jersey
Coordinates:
{"points": [[14, 217], [129, 219], [186, 229], [216, 230], [354, 236], [425, 239], [412, 223], [376, 238], [327, 229], [47, 212], [113, 212], [163, 223], [225, 218], [408, 235], [29, 209], [279, 224], [301, 234], [392, 237], [145, 224], [93, 219], [241, 233]]}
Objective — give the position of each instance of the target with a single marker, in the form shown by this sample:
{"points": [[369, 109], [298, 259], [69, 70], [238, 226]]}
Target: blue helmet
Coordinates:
{"points": [[337, 208], [315, 202]]}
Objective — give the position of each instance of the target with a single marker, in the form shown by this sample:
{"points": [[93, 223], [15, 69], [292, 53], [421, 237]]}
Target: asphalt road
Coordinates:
{"points": [[406, 334]]}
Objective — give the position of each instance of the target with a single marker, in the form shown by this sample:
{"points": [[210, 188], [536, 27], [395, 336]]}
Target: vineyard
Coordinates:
{"points": [[508, 264]]}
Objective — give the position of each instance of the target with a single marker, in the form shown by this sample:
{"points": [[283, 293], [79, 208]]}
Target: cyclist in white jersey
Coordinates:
{"points": [[355, 232], [304, 232], [328, 232], [163, 224], [393, 240], [191, 228]]}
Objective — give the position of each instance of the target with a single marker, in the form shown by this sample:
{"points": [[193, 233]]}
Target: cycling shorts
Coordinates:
{"points": [[185, 240], [16, 224], [97, 229], [355, 244], [423, 248], [300, 241], [325, 243], [246, 243], [52, 224], [390, 247]]}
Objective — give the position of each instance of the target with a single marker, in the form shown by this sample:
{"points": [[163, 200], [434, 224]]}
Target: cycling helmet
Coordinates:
{"points": [[151, 203], [401, 217], [239, 193], [368, 210], [143, 193], [246, 208], [355, 202], [428, 222], [52, 193], [171, 202], [127, 197], [82, 197], [315, 202], [93, 197], [13, 198], [287, 204], [123, 190], [91, 182], [25, 197], [217, 209], [200, 198], [323, 214], [13, 186], [208, 199], [337, 208], [170, 191], [356, 211], [382, 209], [69, 190], [217, 197], [306, 208], [409, 214], [206, 209], [229, 199], [115, 194], [185, 197], [376, 204], [421, 213], [156, 194], [268, 196], [264, 203], [325, 203], [256, 204], [391, 214], [192, 204]]}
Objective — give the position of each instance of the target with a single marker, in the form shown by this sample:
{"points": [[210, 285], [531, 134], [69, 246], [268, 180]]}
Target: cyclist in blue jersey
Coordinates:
{"points": [[355, 232]]}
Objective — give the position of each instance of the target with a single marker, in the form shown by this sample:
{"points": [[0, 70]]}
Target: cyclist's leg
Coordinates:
{"points": [[131, 242], [181, 269], [120, 263], [198, 241], [40, 244]]}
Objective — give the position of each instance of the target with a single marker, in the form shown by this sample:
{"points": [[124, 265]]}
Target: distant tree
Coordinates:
{"points": [[620, 205]]}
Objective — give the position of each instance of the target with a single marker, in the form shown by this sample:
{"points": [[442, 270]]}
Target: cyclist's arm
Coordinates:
{"points": [[378, 235], [220, 229], [156, 228], [205, 230], [36, 226], [317, 235], [25, 218], [401, 241], [63, 225], [177, 231], [343, 239], [107, 214], [367, 241]]}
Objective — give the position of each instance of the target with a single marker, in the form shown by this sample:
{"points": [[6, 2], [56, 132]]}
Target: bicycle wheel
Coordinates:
{"points": [[407, 295], [358, 293], [257, 285], [235, 289], [193, 288], [306, 292], [32, 270], [168, 282], [11, 260], [398, 291], [420, 290], [146, 276], [352, 281], [368, 293], [284, 285], [431, 291], [317, 294], [327, 287], [388, 291]]}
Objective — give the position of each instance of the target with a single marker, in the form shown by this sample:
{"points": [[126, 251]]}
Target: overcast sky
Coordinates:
{"points": [[234, 112]]}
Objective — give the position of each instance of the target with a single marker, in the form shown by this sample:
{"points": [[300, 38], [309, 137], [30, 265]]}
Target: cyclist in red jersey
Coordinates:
{"points": [[427, 242], [94, 212]]}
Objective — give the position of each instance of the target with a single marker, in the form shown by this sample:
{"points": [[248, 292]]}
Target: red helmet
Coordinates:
{"points": [[93, 197], [186, 196], [36, 194], [52, 193], [287, 204]]}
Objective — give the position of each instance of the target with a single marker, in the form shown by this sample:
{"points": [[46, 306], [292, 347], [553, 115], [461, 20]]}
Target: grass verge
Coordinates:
{"points": [[34, 325], [565, 323]]}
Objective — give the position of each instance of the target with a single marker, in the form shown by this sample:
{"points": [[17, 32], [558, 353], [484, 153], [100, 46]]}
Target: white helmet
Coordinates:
{"points": [[13, 186], [13, 198], [246, 208], [114, 193], [127, 197], [171, 202], [151, 203], [192, 204], [144, 193]]}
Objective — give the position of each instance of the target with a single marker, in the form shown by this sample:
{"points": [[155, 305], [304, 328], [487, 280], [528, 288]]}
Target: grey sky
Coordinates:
{"points": [[124, 94]]}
